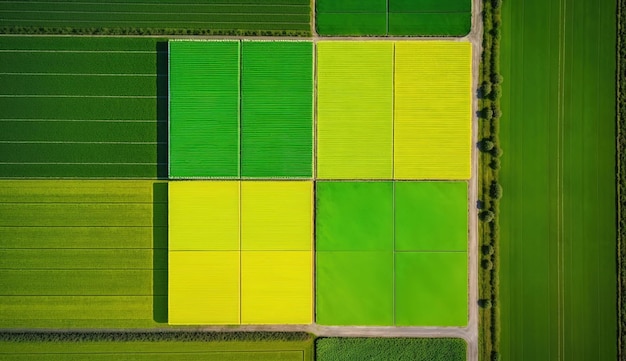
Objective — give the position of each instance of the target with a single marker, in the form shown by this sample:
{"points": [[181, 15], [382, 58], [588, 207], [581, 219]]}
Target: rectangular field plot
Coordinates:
{"points": [[277, 109], [77, 109], [277, 216], [431, 289], [354, 216], [346, 17], [204, 109], [83, 254], [432, 110], [204, 216], [431, 216], [166, 17], [203, 287], [354, 288], [431, 17], [276, 287], [354, 107]]}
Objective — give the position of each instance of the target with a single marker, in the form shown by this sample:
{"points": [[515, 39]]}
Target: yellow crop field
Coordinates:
{"points": [[277, 216], [354, 109], [203, 215], [432, 111], [203, 287], [277, 287]]}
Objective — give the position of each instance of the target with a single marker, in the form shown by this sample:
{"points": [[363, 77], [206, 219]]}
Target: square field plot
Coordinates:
{"points": [[277, 216], [431, 289], [354, 216], [203, 287], [203, 215], [277, 109], [354, 110], [431, 216], [204, 109], [277, 287], [354, 288], [432, 110]]}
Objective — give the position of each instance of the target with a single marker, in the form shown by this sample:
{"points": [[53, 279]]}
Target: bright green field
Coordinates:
{"points": [[171, 15], [397, 349], [557, 220], [204, 108], [75, 108], [277, 109], [158, 351], [83, 254]]}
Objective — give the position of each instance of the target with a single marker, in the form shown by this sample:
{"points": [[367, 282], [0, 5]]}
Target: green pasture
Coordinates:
{"points": [[77, 109], [159, 351], [557, 215], [83, 254], [397, 349], [170, 15]]}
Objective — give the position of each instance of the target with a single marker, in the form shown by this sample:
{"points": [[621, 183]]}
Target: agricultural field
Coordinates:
{"points": [[168, 17], [78, 254], [256, 238], [397, 349], [159, 350], [393, 17], [557, 220], [77, 108], [253, 120], [411, 120], [369, 250]]}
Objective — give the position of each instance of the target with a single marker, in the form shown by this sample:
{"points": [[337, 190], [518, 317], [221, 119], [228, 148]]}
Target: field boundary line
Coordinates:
{"points": [[77, 142], [152, 4], [560, 198], [75, 163], [82, 96], [75, 51], [86, 74], [141, 13], [83, 120], [153, 22]]}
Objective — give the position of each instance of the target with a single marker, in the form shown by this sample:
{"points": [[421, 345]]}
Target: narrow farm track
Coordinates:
{"points": [[468, 333]]}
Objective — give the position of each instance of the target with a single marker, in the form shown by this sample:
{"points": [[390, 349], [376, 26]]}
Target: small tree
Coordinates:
{"points": [[496, 152], [486, 264], [495, 190], [495, 356], [486, 113], [486, 216], [495, 164], [485, 145], [485, 88], [485, 303], [496, 92], [487, 249]]}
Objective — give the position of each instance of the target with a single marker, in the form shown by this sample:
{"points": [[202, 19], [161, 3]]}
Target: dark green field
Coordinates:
{"points": [[83, 108], [397, 349], [558, 274], [254, 15]]}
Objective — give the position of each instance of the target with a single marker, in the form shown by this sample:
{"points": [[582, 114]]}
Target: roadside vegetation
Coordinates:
{"points": [[398, 349], [490, 191], [621, 177]]}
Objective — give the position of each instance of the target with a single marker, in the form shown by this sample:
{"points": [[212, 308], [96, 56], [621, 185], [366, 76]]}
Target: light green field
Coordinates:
{"points": [[159, 351], [83, 254], [557, 220]]}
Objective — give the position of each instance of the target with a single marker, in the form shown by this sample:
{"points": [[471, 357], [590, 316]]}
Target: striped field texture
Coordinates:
{"points": [[345, 17], [73, 108], [83, 254], [354, 116], [169, 15], [277, 109], [432, 110], [204, 109], [248, 264]]}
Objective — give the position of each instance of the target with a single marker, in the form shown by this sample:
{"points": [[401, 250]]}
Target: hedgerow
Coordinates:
{"points": [[147, 31]]}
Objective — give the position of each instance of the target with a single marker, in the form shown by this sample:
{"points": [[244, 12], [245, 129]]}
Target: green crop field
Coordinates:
{"points": [[391, 253], [83, 254], [159, 351], [397, 349], [393, 17], [78, 108], [254, 15], [557, 220]]}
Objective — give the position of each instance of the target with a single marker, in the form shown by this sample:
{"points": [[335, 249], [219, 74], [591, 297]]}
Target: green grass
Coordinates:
{"points": [[431, 216], [354, 216], [357, 24], [347, 6], [431, 289], [558, 279], [74, 108], [397, 349], [204, 108], [83, 254], [170, 16], [160, 350], [354, 288], [442, 24], [277, 109]]}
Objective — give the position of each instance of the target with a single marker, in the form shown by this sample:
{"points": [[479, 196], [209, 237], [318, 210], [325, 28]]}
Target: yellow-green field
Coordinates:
{"points": [[241, 252], [432, 110], [354, 109]]}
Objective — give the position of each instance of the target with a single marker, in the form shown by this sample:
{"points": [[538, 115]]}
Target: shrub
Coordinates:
{"points": [[485, 145], [486, 216], [495, 164], [487, 249], [495, 190], [486, 264], [496, 152], [485, 303]]}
